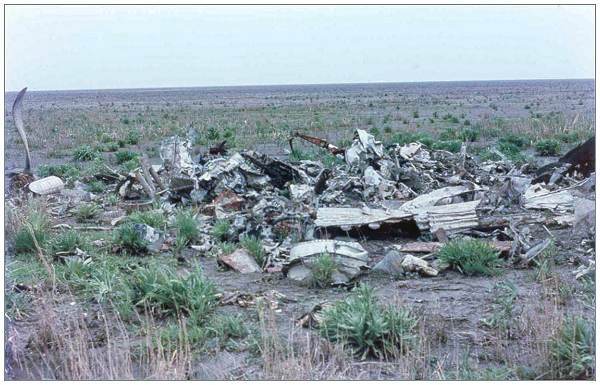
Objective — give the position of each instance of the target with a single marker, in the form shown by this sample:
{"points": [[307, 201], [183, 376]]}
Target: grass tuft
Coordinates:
{"points": [[548, 147], [162, 290], [126, 238], [572, 350], [367, 328], [40, 224], [470, 257], [322, 270], [152, 218], [254, 247], [221, 229]]}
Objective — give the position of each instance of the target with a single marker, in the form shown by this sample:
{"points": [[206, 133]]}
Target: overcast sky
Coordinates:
{"points": [[89, 47]]}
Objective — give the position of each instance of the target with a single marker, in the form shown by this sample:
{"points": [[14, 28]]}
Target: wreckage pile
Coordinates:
{"points": [[302, 210]]}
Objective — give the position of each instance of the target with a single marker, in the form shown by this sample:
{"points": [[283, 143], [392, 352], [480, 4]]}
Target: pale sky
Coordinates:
{"points": [[90, 47]]}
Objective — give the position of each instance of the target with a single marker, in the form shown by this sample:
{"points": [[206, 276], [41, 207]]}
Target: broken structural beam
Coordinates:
{"points": [[317, 142], [580, 159]]}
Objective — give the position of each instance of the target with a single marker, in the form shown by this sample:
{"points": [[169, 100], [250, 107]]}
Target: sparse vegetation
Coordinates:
{"points": [[255, 248], [548, 147], [221, 230], [572, 350], [128, 239], [186, 227], [86, 211], [470, 257], [323, 268], [367, 327], [84, 153], [39, 224], [152, 218]]}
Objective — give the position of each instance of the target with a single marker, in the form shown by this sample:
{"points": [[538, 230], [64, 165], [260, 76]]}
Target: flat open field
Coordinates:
{"points": [[83, 303]]}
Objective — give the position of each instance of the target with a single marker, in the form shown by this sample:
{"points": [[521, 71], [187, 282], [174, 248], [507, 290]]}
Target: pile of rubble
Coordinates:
{"points": [[301, 210]]}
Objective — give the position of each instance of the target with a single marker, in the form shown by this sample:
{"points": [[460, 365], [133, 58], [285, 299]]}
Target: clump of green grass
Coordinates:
{"points": [[162, 290], [85, 153], [226, 248], [470, 257], [39, 223], [126, 238], [226, 327], [368, 328], [68, 241], [86, 211], [112, 199], [68, 172], [130, 165], [221, 229], [111, 147], [254, 247], [126, 156], [447, 145], [96, 186], [322, 270], [568, 137], [186, 226], [519, 140], [512, 152], [505, 295], [572, 350], [548, 147], [152, 218], [403, 138], [133, 137]]}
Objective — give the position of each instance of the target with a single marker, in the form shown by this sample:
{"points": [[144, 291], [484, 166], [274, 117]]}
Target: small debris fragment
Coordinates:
{"points": [[241, 261]]}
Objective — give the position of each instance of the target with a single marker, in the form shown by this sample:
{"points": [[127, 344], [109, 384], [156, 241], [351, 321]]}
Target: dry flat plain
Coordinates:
{"points": [[86, 298]]}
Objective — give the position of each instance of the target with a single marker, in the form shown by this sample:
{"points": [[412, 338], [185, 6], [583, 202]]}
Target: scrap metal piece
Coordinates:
{"points": [[17, 109], [317, 142], [175, 155], [538, 197], [48, 185], [280, 172], [363, 148], [218, 149], [581, 159], [241, 261]]}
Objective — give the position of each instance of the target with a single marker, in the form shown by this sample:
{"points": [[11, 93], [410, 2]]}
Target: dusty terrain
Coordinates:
{"points": [[454, 341]]}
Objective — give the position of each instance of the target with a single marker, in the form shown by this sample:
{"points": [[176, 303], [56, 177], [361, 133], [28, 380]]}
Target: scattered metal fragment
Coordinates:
{"points": [[580, 159], [154, 238], [536, 250], [17, 109], [218, 149], [318, 142], [350, 259], [240, 260], [48, 185], [414, 264], [538, 197]]}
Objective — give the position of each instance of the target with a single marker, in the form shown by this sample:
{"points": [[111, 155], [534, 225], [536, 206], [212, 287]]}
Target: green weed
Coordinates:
{"points": [[322, 269], [254, 247], [367, 328], [470, 257], [572, 350]]}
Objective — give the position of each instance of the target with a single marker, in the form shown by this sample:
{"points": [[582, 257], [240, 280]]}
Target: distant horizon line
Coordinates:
{"points": [[297, 84]]}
